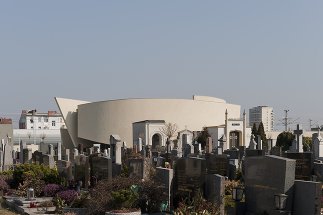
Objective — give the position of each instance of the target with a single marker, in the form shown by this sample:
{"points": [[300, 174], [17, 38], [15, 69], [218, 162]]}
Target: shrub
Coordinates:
{"points": [[31, 182], [34, 170], [101, 195], [50, 190], [67, 195], [4, 185], [197, 205]]}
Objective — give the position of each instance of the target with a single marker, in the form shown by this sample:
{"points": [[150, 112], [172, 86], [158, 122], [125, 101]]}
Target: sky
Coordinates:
{"points": [[247, 52]]}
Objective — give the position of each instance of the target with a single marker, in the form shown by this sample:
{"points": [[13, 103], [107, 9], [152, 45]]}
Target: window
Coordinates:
{"points": [[45, 119], [53, 123], [39, 119]]}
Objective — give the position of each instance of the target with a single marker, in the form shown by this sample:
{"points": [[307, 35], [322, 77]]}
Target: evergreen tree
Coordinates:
{"points": [[202, 137], [254, 131], [261, 132], [285, 140]]}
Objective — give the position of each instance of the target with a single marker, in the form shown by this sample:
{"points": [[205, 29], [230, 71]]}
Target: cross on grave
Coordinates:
{"points": [[233, 138], [298, 132]]}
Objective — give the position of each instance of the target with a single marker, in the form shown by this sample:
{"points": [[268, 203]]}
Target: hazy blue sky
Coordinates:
{"points": [[246, 52]]}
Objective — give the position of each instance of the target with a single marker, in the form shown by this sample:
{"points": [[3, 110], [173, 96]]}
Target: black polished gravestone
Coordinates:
{"points": [[101, 167], [233, 153], [304, 164], [190, 175], [218, 164], [254, 152]]}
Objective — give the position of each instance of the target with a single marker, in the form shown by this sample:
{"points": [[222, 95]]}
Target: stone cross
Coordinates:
{"points": [[233, 137], [299, 138]]}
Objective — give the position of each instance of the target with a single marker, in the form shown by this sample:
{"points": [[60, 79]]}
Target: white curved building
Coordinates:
{"points": [[94, 122]]}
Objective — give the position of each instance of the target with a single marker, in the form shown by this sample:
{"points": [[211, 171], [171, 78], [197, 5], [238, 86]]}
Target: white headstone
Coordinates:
{"points": [[105, 153], [139, 144], [59, 151]]}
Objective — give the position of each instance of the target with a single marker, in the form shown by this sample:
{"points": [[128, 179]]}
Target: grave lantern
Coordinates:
{"points": [[280, 201], [237, 193], [30, 194]]}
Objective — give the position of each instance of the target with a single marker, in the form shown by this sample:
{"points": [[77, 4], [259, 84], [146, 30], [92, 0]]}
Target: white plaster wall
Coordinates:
{"points": [[96, 121]]}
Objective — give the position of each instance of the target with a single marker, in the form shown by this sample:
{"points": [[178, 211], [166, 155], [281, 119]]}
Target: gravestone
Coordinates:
{"points": [[297, 144], [307, 198], [27, 155], [259, 144], [67, 155], [48, 160], [80, 148], [59, 151], [276, 150], [233, 153], [214, 190], [64, 169], [264, 177], [82, 169], [37, 158], [101, 167], [22, 146], [51, 150], [253, 143], [136, 167], [318, 170], [209, 145], [317, 141], [189, 175], [304, 164], [188, 149], [254, 152], [115, 145], [165, 177], [218, 164], [90, 151]]}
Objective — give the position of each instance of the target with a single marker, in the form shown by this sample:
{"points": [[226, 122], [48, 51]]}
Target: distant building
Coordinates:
{"points": [[6, 130], [262, 114], [38, 130], [34, 120]]}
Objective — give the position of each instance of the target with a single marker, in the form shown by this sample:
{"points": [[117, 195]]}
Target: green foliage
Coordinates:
{"points": [[59, 204], [285, 140], [125, 198], [261, 132], [42, 172], [254, 130], [307, 143], [202, 137]]}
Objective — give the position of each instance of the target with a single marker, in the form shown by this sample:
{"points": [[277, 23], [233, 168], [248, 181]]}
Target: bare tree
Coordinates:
{"points": [[169, 130]]}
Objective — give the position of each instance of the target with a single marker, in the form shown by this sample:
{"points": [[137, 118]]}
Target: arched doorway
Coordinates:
{"points": [[156, 141], [234, 139]]}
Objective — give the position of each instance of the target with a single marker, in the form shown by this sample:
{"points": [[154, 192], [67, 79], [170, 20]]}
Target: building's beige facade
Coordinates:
{"points": [[98, 120]]}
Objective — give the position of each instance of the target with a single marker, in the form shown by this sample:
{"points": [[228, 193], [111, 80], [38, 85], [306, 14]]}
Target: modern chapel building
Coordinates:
{"points": [[94, 122]]}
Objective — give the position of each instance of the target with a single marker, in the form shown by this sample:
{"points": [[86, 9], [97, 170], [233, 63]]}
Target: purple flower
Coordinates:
{"points": [[50, 190], [68, 195]]}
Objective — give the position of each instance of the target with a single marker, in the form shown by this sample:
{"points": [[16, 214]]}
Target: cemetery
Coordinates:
{"points": [[188, 174]]}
